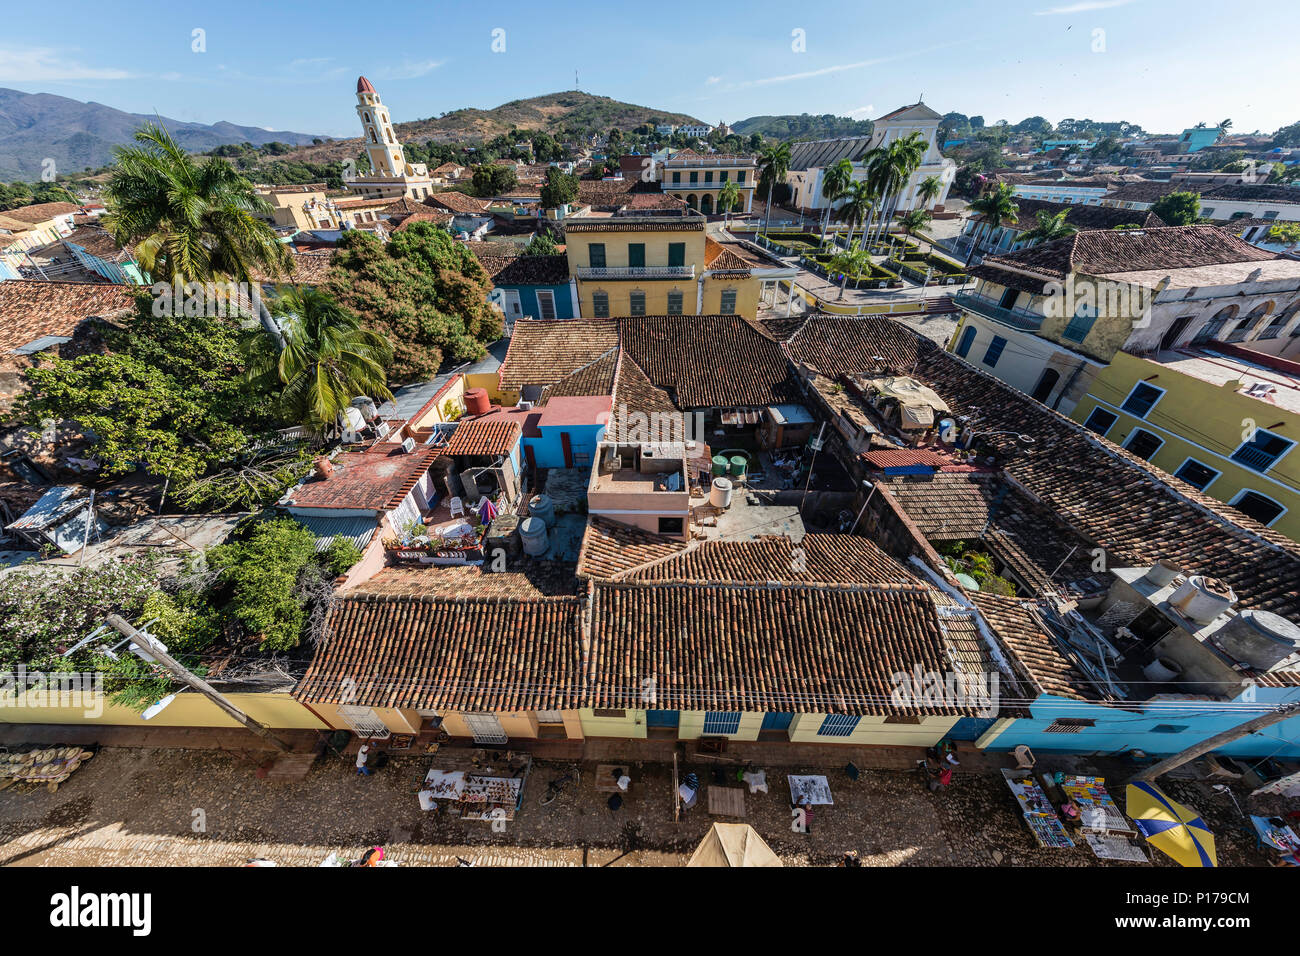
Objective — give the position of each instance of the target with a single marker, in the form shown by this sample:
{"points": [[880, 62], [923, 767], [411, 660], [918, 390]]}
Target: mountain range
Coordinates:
{"points": [[39, 126]]}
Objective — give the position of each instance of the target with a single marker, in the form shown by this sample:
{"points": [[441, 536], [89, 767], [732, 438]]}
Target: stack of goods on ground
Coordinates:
{"points": [[51, 766]]}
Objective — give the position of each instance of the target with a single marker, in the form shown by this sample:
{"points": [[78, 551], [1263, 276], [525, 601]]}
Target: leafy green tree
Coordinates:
{"points": [[728, 199], [1178, 209], [322, 360], [425, 292], [189, 221], [541, 245], [493, 179], [560, 188], [849, 262], [1287, 233], [914, 220]]}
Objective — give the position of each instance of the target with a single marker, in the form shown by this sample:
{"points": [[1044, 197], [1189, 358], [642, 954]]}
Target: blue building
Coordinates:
{"points": [[534, 287], [98, 253], [565, 433], [1195, 139], [1143, 669]]}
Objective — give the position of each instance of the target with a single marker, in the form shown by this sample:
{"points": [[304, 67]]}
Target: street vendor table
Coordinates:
{"points": [[1107, 846], [1098, 812], [727, 801], [1275, 835], [814, 790], [1037, 810]]}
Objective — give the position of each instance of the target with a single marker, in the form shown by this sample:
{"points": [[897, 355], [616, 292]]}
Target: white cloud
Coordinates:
{"points": [[838, 68], [409, 70], [862, 111], [713, 79], [1083, 7], [45, 65]]}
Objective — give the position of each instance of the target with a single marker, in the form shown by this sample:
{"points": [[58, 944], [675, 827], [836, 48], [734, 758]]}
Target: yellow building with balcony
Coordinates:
{"points": [[698, 178], [662, 264], [1222, 418]]}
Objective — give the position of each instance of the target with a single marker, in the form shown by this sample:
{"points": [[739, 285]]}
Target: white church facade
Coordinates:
{"points": [[390, 176]]}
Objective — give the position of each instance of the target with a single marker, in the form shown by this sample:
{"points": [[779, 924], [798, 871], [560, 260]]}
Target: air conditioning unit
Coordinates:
{"points": [[525, 405], [382, 429], [408, 446]]}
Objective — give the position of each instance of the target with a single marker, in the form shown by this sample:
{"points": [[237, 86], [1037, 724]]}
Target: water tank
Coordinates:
{"points": [[477, 401], [532, 532], [542, 508], [1162, 572], [719, 464], [1261, 639], [366, 405], [1202, 599], [720, 493], [738, 464]]}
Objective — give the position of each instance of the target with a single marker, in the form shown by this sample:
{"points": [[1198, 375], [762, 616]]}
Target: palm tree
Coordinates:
{"points": [[835, 183], [914, 219], [774, 163], [927, 189], [901, 159], [850, 261], [1224, 126], [858, 202], [190, 221], [323, 359], [1049, 227], [995, 207], [728, 198]]}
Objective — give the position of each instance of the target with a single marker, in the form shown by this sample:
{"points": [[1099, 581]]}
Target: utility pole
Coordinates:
{"points": [[154, 650], [816, 444], [1217, 741]]}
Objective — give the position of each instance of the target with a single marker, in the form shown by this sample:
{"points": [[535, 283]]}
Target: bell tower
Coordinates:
{"points": [[387, 159]]}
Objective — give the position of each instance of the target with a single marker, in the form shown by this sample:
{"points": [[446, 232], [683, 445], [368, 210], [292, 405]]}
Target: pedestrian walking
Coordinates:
{"points": [[362, 755]]}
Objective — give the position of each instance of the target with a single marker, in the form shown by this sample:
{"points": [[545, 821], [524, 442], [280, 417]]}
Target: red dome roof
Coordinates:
{"points": [[364, 85]]}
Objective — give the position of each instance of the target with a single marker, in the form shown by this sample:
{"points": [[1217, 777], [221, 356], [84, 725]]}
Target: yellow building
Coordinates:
{"points": [[662, 264], [303, 207], [1222, 418], [697, 179], [390, 175]]}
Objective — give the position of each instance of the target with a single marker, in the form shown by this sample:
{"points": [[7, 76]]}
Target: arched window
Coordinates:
{"points": [[1257, 315], [1046, 383], [1210, 331], [1280, 321]]}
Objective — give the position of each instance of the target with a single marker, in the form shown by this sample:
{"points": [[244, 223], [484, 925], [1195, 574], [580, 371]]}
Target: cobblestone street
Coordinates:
{"points": [[207, 808]]}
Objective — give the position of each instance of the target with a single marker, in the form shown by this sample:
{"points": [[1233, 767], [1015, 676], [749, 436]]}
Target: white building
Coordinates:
{"points": [[809, 161], [698, 130], [390, 176]]}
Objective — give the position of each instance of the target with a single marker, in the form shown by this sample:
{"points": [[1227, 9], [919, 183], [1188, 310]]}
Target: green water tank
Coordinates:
{"points": [[719, 465], [738, 464]]}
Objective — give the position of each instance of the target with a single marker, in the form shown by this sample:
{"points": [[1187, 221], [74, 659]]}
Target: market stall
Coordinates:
{"points": [[487, 787], [813, 790], [1038, 812]]}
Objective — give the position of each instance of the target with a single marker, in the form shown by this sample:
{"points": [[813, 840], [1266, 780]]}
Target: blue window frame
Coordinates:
{"points": [[1100, 420], [964, 343], [721, 722], [1196, 474], [1081, 324], [1262, 451], [838, 725], [1142, 399], [994, 351]]}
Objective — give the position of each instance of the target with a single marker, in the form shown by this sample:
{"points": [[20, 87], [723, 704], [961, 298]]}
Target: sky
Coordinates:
{"points": [[1164, 64]]}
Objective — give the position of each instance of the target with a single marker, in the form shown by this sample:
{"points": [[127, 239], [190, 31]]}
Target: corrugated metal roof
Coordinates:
{"points": [[359, 530], [51, 507]]}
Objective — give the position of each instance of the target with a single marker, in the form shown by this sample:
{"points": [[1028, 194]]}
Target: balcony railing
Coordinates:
{"points": [[636, 272], [1020, 319], [1254, 458], [713, 185]]}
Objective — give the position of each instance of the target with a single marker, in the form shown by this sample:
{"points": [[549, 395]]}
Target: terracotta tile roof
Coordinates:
{"points": [[404, 207], [637, 200], [32, 309], [438, 217], [717, 258], [1083, 217], [1009, 279], [747, 647], [904, 458], [827, 559], [534, 270], [471, 581], [543, 352], [710, 360], [635, 393], [468, 654], [1105, 251], [610, 548], [594, 378], [483, 437], [457, 202], [1252, 192], [1018, 627], [647, 223], [374, 480], [1149, 192], [41, 211], [1110, 498]]}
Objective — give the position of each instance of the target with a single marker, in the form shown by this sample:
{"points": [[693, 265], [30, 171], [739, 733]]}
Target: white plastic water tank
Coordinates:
{"points": [[1162, 572], [720, 493], [1162, 670], [1203, 599], [532, 532]]}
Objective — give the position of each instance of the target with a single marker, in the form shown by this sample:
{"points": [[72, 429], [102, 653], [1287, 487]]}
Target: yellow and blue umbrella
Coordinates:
{"points": [[1170, 827]]}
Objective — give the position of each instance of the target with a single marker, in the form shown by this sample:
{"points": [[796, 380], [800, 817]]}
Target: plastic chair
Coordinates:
{"points": [[456, 507], [1024, 758]]}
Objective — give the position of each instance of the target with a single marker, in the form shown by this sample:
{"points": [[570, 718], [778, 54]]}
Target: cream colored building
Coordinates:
{"points": [[390, 176]]}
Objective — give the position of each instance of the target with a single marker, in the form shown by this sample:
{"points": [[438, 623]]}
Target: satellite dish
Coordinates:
{"points": [[156, 708]]}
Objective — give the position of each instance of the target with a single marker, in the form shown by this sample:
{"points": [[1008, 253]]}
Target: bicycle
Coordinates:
{"points": [[557, 786]]}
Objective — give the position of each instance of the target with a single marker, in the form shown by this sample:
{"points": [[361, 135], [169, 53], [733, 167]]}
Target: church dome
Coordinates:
{"points": [[364, 85]]}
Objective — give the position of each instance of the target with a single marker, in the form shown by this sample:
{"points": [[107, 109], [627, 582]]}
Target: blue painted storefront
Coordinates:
{"points": [[530, 307], [548, 448]]}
